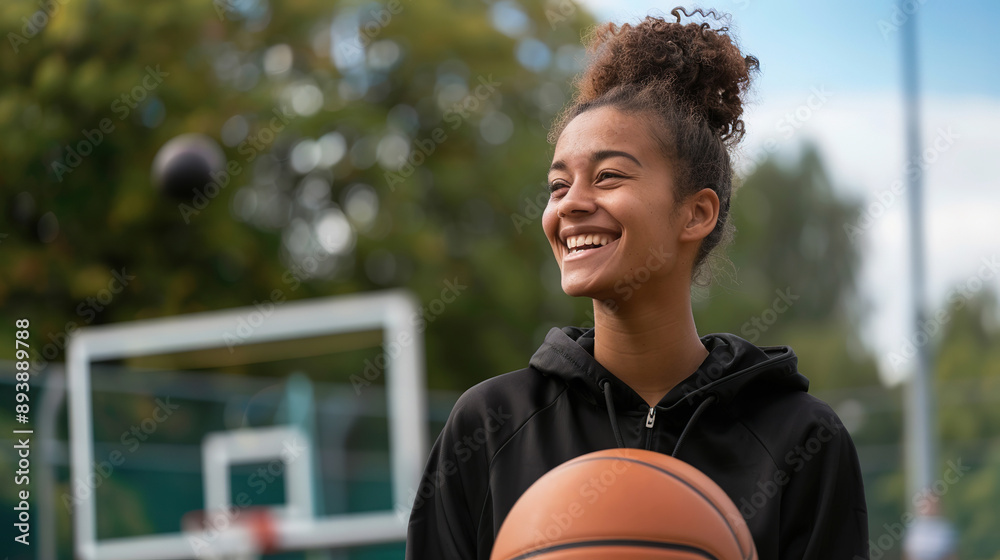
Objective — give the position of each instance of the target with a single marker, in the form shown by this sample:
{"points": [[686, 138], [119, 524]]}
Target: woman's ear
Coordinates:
{"points": [[702, 213]]}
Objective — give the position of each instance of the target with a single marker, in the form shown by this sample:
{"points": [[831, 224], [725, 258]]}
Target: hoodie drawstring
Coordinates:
{"points": [[694, 418], [606, 386]]}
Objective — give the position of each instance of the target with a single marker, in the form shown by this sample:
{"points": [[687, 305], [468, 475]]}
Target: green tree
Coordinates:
{"points": [[437, 81], [460, 91], [967, 383], [793, 281]]}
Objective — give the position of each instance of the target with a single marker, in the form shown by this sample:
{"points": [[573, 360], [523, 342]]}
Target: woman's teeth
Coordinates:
{"points": [[578, 243]]}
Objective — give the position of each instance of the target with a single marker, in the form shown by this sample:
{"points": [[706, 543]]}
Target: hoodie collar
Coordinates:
{"points": [[732, 365]]}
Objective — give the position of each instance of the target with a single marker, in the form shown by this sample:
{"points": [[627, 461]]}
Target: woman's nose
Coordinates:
{"points": [[577, 200]]}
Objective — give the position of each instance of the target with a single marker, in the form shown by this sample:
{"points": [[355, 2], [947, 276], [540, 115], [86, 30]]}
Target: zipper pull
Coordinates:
{"points": [[651, 417]]}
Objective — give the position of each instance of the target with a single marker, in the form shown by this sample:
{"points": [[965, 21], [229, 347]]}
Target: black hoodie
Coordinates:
{"points": [[743, 418]]}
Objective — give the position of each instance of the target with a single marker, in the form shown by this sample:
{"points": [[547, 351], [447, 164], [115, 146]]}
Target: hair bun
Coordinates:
{"points": [[698, 65]]}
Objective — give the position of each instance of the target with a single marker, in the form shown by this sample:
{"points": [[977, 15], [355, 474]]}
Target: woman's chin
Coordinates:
{"points": [[577, 288]]}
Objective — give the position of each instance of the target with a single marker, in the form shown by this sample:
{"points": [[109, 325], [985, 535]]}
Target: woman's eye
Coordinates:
{"points": [[553, 187], [607, 175]]}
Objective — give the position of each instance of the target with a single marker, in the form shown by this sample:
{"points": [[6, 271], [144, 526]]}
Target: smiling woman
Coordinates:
{"points": [[641, 183]]}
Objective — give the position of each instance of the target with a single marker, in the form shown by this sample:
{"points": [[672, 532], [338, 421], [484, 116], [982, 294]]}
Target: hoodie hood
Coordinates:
{"points": [[733, 367]]}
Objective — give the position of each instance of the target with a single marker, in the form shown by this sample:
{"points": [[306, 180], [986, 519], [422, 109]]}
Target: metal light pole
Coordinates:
{"points": [[929, 535], [920, 451]]}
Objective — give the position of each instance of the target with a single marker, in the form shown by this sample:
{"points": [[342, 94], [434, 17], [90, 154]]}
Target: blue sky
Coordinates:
{"points": [[841, 42]]}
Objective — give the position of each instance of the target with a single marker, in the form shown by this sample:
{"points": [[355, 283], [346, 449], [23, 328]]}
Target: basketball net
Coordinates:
{"points": [[241, 534]]}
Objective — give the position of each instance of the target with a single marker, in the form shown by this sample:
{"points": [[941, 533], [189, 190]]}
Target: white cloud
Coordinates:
{"points": [[861, 139]]}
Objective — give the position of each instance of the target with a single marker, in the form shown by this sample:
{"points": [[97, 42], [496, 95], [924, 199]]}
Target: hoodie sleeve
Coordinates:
{"points": [[823, 511], [444, 519]]}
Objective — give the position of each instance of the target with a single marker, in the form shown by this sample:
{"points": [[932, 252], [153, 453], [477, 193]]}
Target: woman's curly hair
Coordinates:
{"points": [[692, 78]]}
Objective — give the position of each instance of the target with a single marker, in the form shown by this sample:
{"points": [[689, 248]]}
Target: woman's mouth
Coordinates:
{"points": [[581, 246]]}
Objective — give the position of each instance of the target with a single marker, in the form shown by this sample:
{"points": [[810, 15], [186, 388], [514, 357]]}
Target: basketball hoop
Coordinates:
{"points": [[265, 532], [234, 534]]}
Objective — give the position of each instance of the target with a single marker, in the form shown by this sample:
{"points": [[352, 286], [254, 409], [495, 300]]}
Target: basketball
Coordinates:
{"points": [[185, 164], [626, 504]]}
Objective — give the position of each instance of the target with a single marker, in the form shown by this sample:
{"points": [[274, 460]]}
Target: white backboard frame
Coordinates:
{"points": [[395, 312], [221, 450]]}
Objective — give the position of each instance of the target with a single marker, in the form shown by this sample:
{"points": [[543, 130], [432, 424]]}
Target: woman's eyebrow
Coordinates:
{"points": [[596, 157]]}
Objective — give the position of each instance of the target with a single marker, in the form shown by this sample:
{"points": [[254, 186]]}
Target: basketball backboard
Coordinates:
{"points": [[314, 409]]}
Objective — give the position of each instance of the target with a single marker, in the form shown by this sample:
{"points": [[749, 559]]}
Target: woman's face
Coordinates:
{"points": [[610, 219]]}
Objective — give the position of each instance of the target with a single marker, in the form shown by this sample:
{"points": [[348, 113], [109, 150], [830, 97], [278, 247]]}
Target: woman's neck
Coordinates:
{"points": [[651, 346]]}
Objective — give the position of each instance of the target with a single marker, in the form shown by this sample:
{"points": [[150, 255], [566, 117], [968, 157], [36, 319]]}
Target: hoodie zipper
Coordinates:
{"points": [[650, 419]]}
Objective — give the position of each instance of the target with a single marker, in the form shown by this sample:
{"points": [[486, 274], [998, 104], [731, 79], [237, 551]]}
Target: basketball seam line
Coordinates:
{"points": [[689, 485], [637, 543]]}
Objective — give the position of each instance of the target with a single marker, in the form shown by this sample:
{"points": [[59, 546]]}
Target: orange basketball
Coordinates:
{"points": [[628, 504]]}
